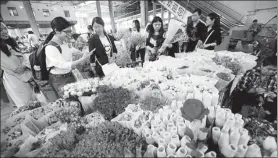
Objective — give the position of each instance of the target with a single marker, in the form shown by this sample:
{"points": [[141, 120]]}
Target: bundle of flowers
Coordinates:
{"points": [[123, 33], [29, 106], [42, 111], [93, 120], [228, 62], [169, 134], [152, 103], [66, 114], [137, 39], [123, 58], [233, 139], [82, 67], [61, 144], [112, 101], [85, 87], [109, 139]]}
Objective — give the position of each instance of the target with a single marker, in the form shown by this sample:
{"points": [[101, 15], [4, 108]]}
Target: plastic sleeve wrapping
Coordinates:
{"points": [[211, 154], [156, 136], [167, 137], [162, 142], [171, 149], [181, 128], [234, 137], [241, 150], [244, 139], [207, 99], [181, 152], [220, 119], [175, 140], [253, 151], [161, 151], [216, 134], [229, 150]]}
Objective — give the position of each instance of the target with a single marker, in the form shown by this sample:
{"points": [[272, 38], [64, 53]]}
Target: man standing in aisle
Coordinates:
{"points": [[196, 31], [33, 40]]}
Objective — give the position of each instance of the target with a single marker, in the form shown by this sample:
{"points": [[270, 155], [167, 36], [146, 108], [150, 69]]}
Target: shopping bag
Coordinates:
{"points": [[38, 94], [109, 68]]}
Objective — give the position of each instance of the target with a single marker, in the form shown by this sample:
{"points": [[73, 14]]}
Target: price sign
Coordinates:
{"points": [[176, 9]]}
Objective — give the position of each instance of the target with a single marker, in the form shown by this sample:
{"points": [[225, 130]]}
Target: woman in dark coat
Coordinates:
{"points": [[104, 45]]}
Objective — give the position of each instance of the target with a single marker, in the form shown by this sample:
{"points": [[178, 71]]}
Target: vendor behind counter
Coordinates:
{"points": [[258, 87]]}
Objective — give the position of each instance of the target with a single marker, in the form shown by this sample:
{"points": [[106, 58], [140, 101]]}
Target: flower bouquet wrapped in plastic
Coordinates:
{"points": [[174, 31]]}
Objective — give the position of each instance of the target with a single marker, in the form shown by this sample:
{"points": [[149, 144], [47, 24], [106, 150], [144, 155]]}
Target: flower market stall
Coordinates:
{"points": [[167, 108]]}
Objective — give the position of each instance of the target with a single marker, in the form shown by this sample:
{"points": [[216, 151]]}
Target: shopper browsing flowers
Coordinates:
{"points": [[58, 55], [104, 46]]}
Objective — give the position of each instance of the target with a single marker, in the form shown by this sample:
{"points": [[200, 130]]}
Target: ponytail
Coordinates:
{"points": [[49, 37]]}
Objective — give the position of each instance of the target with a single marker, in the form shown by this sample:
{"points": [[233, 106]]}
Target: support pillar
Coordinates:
{"points": [[111, 12], [31, 17], [98, 8], [162, 13], [144, 13], [154, 9]]}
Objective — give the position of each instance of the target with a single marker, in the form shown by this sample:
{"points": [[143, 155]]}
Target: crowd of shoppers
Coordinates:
{"points": [[57, 61]]}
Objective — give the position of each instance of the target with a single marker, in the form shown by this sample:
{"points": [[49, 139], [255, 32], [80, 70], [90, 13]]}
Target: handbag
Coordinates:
{"points": [[38, 93]]}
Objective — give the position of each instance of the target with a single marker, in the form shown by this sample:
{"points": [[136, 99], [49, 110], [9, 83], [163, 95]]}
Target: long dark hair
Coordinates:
{"points": [[59, 24], [137, 24], [5, 42], [216, 18], [161, 31]]}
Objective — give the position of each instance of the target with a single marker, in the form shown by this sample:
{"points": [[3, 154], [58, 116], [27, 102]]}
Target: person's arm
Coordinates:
{"points": [[55, 58], [92, 46]]}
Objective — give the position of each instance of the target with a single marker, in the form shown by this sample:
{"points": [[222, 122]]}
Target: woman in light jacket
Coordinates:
{"points": [[58, 55], [16, 74]]}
